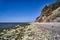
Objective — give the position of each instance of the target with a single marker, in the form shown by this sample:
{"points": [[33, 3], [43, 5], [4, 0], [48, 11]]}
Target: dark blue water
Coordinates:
{"points": [[9, 25]]}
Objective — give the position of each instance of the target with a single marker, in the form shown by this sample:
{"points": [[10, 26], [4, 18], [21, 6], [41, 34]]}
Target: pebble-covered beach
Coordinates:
{"points": [[30, 32]]}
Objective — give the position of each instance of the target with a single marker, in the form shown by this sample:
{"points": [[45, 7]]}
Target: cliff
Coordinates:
{"points": [[50, 13]]}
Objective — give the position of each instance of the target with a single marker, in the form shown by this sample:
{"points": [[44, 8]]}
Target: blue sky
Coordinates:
{"points": [[21, 10]]}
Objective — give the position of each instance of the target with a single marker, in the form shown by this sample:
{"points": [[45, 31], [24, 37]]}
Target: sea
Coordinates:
{"points": [[9, 25]]}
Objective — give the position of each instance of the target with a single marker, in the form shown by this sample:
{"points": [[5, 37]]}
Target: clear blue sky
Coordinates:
{"points": [[21, 10]]}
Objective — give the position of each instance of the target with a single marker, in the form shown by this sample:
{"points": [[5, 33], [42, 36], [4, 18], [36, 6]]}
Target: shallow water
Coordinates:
{"points": [[8, 25]]}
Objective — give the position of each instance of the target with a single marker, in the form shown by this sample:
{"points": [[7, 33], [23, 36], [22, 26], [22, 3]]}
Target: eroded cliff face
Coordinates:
{"points": [[50, 13]]}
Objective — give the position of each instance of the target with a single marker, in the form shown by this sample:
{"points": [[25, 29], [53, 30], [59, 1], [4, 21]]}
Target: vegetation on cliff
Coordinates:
{"points": [[47, 11]]}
